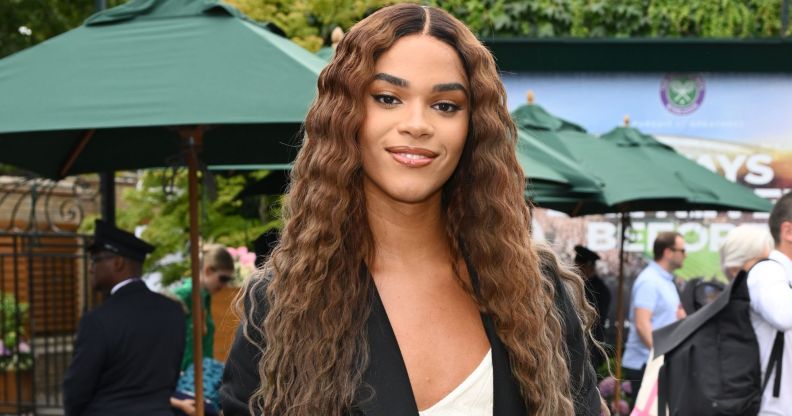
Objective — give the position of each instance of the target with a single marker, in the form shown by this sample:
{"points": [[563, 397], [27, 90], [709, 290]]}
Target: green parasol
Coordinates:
{"points": [[707, 189], [107, 95]]}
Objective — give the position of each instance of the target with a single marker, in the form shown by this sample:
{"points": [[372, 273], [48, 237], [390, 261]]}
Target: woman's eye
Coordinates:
{"points": [[386, 99], [447, 107]]}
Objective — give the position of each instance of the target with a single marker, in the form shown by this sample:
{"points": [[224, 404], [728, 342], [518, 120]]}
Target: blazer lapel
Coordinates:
{"points": [[507, 400], [386, 377]]}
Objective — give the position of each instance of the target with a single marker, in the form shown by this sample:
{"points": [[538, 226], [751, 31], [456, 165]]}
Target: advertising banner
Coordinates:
{"points": [[738, 125]]}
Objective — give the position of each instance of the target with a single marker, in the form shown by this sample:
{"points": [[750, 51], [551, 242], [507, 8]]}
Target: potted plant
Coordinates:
{"points": [[16, 358]]}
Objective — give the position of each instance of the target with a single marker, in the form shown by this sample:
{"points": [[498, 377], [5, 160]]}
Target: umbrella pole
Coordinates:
{"points": [[192, 145], [620, 316], [75, 152]]}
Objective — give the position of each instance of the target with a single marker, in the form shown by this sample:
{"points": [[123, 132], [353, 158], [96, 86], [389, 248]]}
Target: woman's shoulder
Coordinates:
{"points": [[241, 377], [254, 296]]}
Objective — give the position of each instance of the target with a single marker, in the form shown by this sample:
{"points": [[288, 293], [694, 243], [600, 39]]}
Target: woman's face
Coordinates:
{"points": [[417, 111], [215, 279]]}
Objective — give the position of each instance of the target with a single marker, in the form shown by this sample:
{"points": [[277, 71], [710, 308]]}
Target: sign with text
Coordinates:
{"points": [[738, 125]]}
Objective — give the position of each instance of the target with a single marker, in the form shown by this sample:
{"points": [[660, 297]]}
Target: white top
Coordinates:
{"points": [[473, 397], [770, 288], [122, 284]]}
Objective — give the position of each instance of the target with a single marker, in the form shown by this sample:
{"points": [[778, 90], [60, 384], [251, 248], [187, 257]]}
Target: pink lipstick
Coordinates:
{"points": [[414, 157]]}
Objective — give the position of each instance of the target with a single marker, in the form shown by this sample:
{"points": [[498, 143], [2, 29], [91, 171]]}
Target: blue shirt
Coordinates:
{"points": [[654, 289]]}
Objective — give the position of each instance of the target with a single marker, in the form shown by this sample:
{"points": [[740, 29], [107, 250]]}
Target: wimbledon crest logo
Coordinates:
{"points": [[682, 93]]}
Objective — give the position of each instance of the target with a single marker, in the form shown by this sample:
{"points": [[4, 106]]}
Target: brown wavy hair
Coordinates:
{"points": [[316, 350]]}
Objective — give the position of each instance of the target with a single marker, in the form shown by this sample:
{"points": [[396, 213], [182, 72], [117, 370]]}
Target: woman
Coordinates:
{"points": [[405, 279], [217, 270], [743, 247]]}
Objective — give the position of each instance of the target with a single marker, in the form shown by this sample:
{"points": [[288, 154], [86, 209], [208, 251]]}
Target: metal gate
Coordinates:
{"points": [[43, 289], [44, 285]]}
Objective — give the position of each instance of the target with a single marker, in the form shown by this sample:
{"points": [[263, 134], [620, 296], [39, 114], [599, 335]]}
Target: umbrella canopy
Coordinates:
{"points": [[533, 116], [708, 190], [636, 172], [553, 178], [625, 182], [107, 93]]}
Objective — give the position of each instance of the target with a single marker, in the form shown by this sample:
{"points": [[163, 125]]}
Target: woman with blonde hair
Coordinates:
{"points": [[217, 271], [405, 280], [744, 246]]}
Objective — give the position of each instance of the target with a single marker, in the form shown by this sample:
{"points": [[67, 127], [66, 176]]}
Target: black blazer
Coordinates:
{"points": [[127, 356], [387, 374]]}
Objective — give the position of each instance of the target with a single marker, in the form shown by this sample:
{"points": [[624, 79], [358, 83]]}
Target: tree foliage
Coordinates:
{"points": [[622, 18], [309, 22], [43, 18], [160, 202]]}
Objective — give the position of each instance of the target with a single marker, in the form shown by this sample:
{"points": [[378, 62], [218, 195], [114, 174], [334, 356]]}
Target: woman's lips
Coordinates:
{"points": [[412, 156]]}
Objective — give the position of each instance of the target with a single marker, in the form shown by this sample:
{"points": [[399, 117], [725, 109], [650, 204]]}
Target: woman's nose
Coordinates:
{"points": [[415, 123]]}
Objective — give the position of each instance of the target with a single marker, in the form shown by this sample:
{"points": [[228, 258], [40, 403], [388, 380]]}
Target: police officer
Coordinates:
{"points": [[128, 350]]}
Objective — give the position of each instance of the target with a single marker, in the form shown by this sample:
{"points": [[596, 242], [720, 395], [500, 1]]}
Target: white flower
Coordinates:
{"points": [[24, 30]]}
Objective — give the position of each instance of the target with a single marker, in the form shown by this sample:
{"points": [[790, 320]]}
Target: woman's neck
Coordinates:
{"points": [[407, 233]]}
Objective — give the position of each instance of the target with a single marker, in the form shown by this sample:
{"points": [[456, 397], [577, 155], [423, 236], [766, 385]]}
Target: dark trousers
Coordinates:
{"points": [[634, 377]]}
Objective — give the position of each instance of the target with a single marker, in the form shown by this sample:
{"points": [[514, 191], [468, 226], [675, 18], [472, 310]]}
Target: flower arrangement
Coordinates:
{"points": [[15, 352], [244, 262], [607, 388]]}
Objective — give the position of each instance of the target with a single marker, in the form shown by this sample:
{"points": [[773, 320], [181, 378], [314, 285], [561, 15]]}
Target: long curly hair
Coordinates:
{"points": [[316, 350]]}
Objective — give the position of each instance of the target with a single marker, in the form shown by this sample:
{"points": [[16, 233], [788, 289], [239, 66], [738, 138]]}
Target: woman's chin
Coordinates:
{"points": [[413, 195], [403, 191]]}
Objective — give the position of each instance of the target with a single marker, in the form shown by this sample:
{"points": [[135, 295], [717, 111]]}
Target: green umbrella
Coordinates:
{"points": [[105, 95], [551, 175], [554, 178], [150, 83], [533, 116], [624, 182], [708, 190], [542, 165], [637, 172]]}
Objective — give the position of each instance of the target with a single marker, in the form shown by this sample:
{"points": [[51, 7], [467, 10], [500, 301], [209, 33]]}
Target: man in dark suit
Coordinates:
{"points": [[597, 294], [128, 350]]}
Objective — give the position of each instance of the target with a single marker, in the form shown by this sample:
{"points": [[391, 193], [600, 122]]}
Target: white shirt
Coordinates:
{"points": [[122, 284], [474, 397], [770, 288]]}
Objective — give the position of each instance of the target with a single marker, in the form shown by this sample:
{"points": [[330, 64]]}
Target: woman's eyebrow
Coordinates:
{"points": [[399, 82], [391, 79], [451, 86]]}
